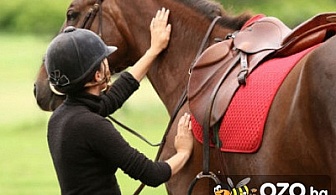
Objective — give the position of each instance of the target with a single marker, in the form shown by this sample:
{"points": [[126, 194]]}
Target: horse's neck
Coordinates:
{"points": [[169, 74]]}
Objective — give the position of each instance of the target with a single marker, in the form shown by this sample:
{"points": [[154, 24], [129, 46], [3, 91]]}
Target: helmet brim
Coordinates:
{"points": [[110, 50]]}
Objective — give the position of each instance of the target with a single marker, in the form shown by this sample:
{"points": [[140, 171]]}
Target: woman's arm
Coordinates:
{"points": [[160, 34], [109, 143], [119, 93]]}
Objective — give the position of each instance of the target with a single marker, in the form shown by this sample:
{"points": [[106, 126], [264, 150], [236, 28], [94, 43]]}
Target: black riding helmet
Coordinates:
{"points": [[73, 57]]}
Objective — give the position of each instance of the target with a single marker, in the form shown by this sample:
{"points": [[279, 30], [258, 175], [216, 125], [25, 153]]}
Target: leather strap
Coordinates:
{"points": [[181, 102], [90, 16], [204, 41], [183, 98], [244, 69], [206, 121]]}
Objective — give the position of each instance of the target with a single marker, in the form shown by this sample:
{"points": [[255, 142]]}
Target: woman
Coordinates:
{"points": [[85, 147]]}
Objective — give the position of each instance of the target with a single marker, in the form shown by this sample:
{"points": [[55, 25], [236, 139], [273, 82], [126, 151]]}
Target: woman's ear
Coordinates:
{"points": [[98, 76]]}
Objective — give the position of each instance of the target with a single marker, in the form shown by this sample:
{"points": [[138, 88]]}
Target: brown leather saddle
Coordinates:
{"points": [[223, 67]]}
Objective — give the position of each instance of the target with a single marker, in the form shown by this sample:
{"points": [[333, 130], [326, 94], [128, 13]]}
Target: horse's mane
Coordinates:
{"points": [[212, 8], [207, 7]]}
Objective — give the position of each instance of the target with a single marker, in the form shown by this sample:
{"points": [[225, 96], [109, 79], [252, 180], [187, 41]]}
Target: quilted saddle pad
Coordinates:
{"points": [[242, 127]]}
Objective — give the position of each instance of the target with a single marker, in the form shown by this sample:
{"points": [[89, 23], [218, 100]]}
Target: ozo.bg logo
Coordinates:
{"points": [[277, 185], [283, 188]]}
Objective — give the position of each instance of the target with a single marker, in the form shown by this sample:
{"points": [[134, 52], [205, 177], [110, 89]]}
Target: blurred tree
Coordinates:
{"points": [[46, 17], [32, 16], [289, 11]]}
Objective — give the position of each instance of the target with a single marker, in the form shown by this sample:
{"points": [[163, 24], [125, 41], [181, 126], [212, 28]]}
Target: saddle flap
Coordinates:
{"points": [[206, 66], [264, 34], [207, 70], [214, 54]]}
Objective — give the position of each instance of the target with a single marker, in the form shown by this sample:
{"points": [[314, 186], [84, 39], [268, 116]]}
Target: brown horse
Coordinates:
{"points": [[300, 132]]}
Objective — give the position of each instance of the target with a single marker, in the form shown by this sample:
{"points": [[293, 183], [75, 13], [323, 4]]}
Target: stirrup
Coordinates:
{"points": [[202, 175]]}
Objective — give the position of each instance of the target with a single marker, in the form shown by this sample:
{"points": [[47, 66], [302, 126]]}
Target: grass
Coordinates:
{"points": [[25, 164]]}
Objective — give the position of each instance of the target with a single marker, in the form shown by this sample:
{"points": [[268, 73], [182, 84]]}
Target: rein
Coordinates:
{"points": [[87, 23], [183, 99], [133, 132]]}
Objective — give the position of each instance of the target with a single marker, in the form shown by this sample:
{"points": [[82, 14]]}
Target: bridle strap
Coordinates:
{"points": [[91, 15], [100, 27]]}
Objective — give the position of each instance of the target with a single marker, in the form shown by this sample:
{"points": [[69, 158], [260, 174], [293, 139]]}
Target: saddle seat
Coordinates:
{"points": [[224, 66]]}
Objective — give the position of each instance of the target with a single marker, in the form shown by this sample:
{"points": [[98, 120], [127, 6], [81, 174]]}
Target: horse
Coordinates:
{"points": [[300, 131]]}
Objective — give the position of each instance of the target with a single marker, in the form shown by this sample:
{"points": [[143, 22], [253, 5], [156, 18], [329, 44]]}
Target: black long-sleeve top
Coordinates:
{"points": [[87, 150]]}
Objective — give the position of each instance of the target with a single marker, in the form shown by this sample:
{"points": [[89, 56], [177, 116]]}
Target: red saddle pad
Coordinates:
{"points": [[242, 127]]}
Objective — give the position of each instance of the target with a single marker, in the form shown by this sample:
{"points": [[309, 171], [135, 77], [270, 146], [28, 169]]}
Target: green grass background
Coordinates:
{"points": [[25, 164]]}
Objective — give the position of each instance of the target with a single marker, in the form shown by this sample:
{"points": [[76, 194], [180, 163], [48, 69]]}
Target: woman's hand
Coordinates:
{"points": [[160, 32], [184, 137], [183, 145]]}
